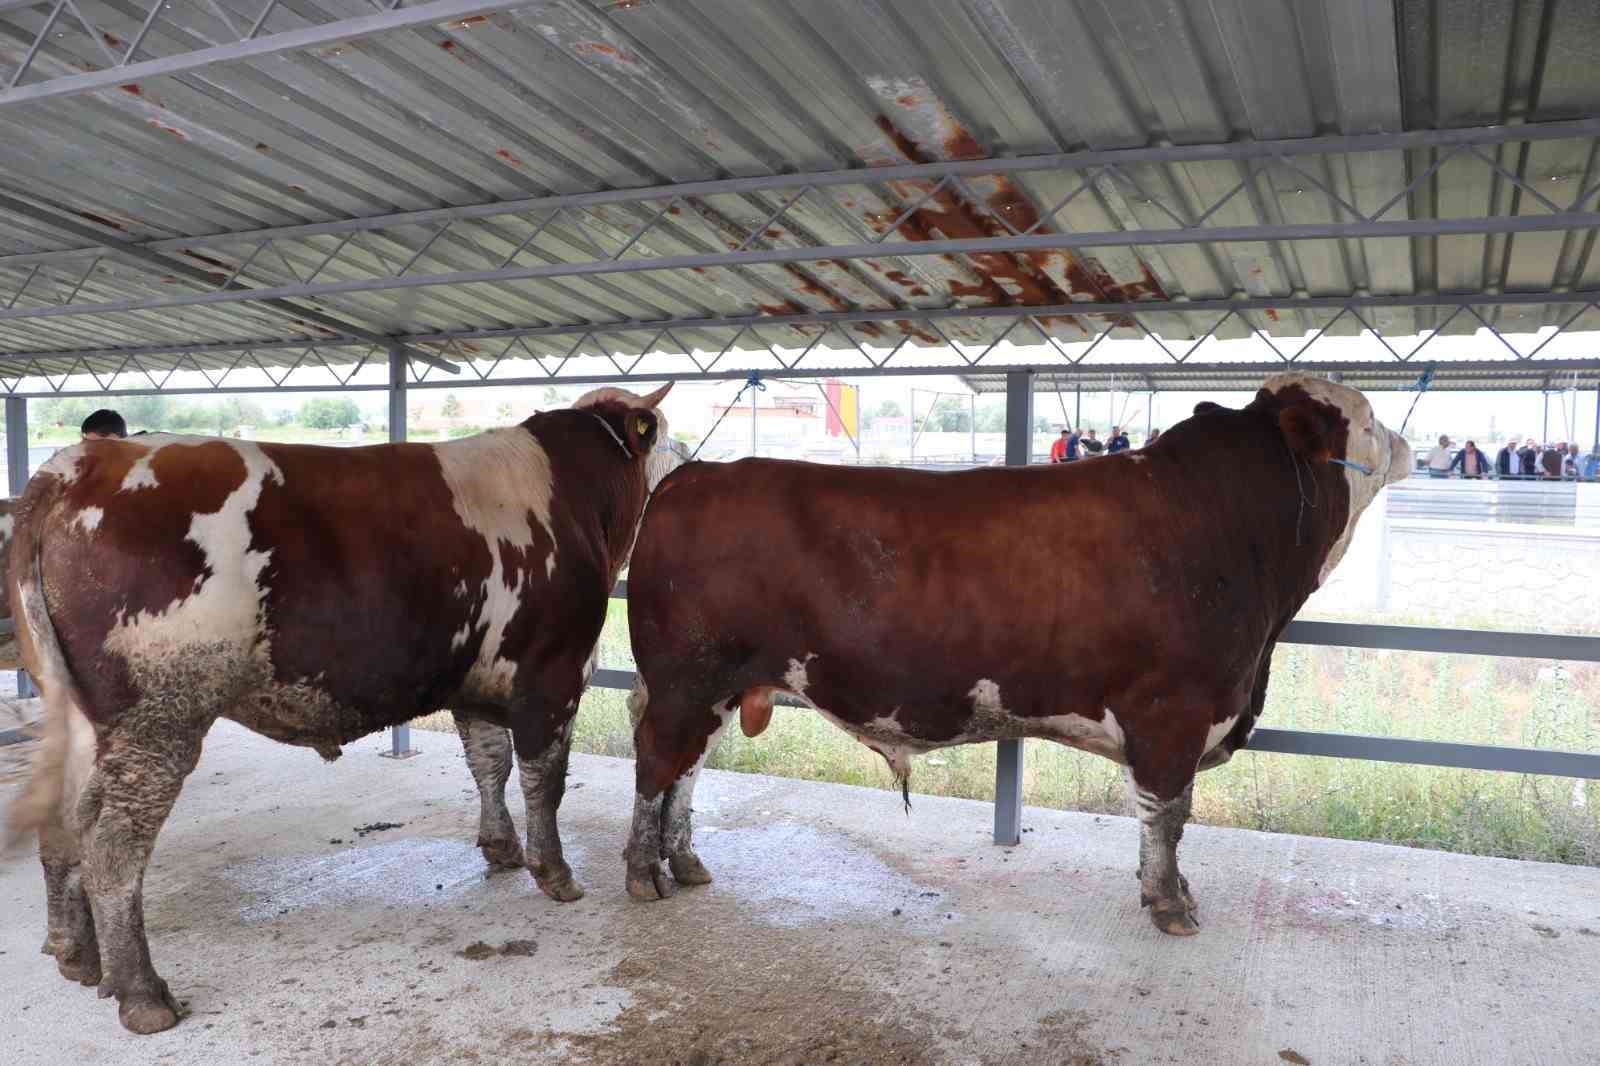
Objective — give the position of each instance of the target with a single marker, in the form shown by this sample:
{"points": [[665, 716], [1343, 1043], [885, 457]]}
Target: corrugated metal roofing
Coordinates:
{"points": [[581, 95]]}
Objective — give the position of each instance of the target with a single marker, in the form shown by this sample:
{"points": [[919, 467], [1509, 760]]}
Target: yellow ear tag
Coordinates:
{"points": [[642, 426]]}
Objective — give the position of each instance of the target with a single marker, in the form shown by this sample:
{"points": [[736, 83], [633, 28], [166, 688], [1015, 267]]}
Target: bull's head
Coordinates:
{"points": [[1324, 421], [643, 428]]}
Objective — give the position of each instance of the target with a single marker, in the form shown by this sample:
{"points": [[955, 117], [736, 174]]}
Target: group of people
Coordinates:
{"points": [[1550, 462], [1074, 444]]}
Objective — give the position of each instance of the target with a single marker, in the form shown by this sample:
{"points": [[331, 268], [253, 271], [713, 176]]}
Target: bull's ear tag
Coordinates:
{"points": [[641, 426]]}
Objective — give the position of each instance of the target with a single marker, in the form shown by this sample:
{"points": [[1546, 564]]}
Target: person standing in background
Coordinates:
{"points": [[104, 424], [1506, 463], [1058, 447], [1439, 458], [1470, 461]]}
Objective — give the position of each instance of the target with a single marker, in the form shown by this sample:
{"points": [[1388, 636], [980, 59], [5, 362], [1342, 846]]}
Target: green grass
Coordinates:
{"points": [[1435, 697]]}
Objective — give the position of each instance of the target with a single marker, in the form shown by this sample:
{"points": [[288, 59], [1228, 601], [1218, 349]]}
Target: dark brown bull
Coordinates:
{"points": [[920, 610], [314, 595]]}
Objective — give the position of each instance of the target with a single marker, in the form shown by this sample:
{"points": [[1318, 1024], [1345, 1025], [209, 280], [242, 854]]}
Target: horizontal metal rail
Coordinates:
{"points": [[810, 254], [1385, 749], [1064, 161]]}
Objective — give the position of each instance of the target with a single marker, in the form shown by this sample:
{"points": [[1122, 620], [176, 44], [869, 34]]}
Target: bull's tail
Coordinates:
{"points": [[40, 799]]}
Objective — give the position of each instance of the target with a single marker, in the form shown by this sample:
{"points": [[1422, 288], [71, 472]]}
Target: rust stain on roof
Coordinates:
{"points": [[132, 89], [201, 257], [102, 220], [469, 22], [164, 128], [508, 157], [601, 48], [1027, 279]]}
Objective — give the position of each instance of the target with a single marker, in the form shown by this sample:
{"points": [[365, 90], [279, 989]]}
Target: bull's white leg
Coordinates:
{"points": [[140, 771], [70, 937], [1161, 887], [677, 829], [544, 782], [488, 750], [1145, 839]]}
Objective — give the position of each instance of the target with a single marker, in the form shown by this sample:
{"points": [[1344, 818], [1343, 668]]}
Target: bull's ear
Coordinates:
{"points": [[1307, 430], [1205, 407], [639, 427]]}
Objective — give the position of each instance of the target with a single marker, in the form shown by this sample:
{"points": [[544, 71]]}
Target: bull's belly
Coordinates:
{"points": [[300, 713]]}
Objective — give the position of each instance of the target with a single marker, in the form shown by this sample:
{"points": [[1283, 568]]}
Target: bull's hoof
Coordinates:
{"points": [[1174, 918], [687, 869], [502, 854], [80, 966], [149, 1012], [1146, 899], [649, 882], [559, 885]]}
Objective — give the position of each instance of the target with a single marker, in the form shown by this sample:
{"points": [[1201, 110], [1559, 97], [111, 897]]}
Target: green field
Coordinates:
{"points": [[1434, 697]]}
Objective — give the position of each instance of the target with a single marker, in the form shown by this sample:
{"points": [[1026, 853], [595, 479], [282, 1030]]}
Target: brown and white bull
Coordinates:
{"points": [[314, 595], [920, 610]]}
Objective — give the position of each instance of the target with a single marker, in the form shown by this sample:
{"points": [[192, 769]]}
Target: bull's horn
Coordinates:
{"points": [[649, 402]]}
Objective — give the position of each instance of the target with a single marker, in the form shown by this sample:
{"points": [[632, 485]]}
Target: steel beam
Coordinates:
{"points": [[840, 252], [1008, 753], [136, 253], [839, 318], [1047, 376], [1197, 153], [16, 481], [399, 734], [396, 18]]}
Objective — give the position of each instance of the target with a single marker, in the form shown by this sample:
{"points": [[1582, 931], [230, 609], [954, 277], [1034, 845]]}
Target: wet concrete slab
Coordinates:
{"points": [[299, 929]]}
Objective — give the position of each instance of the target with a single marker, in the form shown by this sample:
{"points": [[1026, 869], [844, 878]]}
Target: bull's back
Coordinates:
{"points": [[905, 573], [272, 565]]}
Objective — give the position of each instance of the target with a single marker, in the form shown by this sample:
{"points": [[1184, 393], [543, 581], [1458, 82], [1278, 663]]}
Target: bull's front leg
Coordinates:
{"points": [[1161, 787], [541, 728], [488, 750]]}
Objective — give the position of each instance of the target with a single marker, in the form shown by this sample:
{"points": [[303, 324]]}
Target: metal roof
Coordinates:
{"points": [[563, 178]]}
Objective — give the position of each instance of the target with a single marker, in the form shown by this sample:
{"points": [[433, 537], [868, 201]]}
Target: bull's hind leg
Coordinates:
{"points": [[140, 770], [488, 750], [667, 738], [71, 925], [1162, 789]]}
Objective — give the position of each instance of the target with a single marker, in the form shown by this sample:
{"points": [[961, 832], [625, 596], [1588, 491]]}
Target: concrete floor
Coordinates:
{"points": [[839, 930]]}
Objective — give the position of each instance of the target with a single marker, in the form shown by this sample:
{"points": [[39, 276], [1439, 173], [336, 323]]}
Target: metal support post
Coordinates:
{"points": [[17, 480], [1544, 434], [1597, 420], [1008, 754], [399, 735], [973, 425], [753, 394], [1149, 415], [1077, 411]]}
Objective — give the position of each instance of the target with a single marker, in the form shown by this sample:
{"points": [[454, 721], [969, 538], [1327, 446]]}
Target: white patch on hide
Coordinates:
{"points": [[985, 697], [1135, 457], [225, 605], [495, 480], [6, 524], [795, 679], [140, 475], [89, 518], [1217, 732]]}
